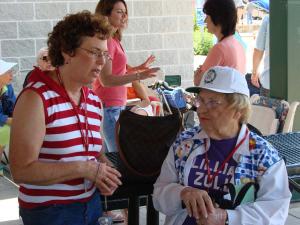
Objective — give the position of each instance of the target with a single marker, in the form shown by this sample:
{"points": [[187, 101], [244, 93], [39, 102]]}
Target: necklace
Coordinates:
{"points": [[211, 177], [83, 129]]}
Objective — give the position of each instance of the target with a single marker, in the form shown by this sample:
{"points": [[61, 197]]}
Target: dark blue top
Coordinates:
{"points": [[7, 102]]}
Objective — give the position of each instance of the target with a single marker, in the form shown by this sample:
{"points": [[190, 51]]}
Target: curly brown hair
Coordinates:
{"points": [[67, 35]]}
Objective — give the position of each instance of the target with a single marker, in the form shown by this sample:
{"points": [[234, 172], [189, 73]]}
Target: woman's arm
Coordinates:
{"points": [[257, 57], [138, 86], [260, 47], [102, 158], [27, 134], [214, 58], [107, 79], [145, 65], [141, 91], [166, 194]]}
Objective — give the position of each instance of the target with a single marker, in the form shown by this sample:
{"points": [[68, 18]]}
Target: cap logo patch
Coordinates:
{"points": [[210, 76]]}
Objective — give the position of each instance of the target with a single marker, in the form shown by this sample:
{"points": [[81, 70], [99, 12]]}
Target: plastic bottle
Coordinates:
{"points": [[105, 220]]}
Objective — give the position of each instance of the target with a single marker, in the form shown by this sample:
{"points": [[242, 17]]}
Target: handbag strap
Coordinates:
{"points": [[242, 193]]}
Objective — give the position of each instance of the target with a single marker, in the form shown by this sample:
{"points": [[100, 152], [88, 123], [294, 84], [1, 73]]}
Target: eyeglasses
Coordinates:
{"points": [[97, 54], [210, 104], [44, 58]]}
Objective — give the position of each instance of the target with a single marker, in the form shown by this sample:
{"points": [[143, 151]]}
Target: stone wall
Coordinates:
{"points": [[160, 27]]}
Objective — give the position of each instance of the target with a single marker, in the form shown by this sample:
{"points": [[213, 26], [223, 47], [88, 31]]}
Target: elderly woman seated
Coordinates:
{"points": [[205, 161], [7, 102]]}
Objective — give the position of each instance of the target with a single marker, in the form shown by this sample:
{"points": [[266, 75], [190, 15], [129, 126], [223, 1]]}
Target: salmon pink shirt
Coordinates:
{"points": [[228, 52], [113, 96]]}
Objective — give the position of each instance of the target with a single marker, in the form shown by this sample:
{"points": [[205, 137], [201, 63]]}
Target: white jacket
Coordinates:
{"points": [[273, 197]]}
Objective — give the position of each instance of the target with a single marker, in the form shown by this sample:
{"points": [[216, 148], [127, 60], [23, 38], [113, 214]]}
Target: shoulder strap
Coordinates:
{"points": [[242, 193], [226, 203]]}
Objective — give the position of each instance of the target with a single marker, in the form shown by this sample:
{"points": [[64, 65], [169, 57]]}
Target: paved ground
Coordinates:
{"points": [[9, 207]]}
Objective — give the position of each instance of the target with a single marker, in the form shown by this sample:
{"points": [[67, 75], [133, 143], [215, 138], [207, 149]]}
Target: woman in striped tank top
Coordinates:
{"points": [[55, 150]]}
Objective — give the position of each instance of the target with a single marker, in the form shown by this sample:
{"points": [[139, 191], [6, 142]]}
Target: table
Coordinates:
{"points": [[288, 146], [131, 196]]}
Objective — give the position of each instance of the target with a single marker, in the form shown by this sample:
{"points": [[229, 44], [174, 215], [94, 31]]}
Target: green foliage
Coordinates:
{"points": [[203, 41], [195, 22]]}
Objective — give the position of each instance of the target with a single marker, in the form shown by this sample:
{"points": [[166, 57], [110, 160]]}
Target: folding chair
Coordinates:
{"points": [[289, 121], [274, 118], [271, 115], [264, 119], [173, 80]]}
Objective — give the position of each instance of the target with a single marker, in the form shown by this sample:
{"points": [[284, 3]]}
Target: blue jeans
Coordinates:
{"points": [[65, 214], [111, 115]]}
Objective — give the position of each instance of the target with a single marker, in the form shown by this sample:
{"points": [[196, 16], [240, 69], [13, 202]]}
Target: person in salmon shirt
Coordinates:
{"points": [[110, 87], [221, 19]]}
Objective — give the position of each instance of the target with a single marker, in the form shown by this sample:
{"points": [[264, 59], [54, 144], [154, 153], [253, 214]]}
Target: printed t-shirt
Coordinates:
{"points": [[198, 175]]}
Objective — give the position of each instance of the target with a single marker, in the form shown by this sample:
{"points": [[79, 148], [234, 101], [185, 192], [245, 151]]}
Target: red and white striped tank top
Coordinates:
{"points": [[63, 142]]}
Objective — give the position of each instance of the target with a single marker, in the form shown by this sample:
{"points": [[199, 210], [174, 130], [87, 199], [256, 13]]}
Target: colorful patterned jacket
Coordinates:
{"points": [[257, 160]]}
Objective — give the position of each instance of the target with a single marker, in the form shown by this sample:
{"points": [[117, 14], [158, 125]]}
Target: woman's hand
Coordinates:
{"points": [[197, 76], [107, 179], [254, 79], [148, 73], [198, 203], [146, 64], [217, 218]]}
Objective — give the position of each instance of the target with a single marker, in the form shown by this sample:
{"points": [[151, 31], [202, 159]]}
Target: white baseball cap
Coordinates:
{"points": [[5, 66], [222, 79]]}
